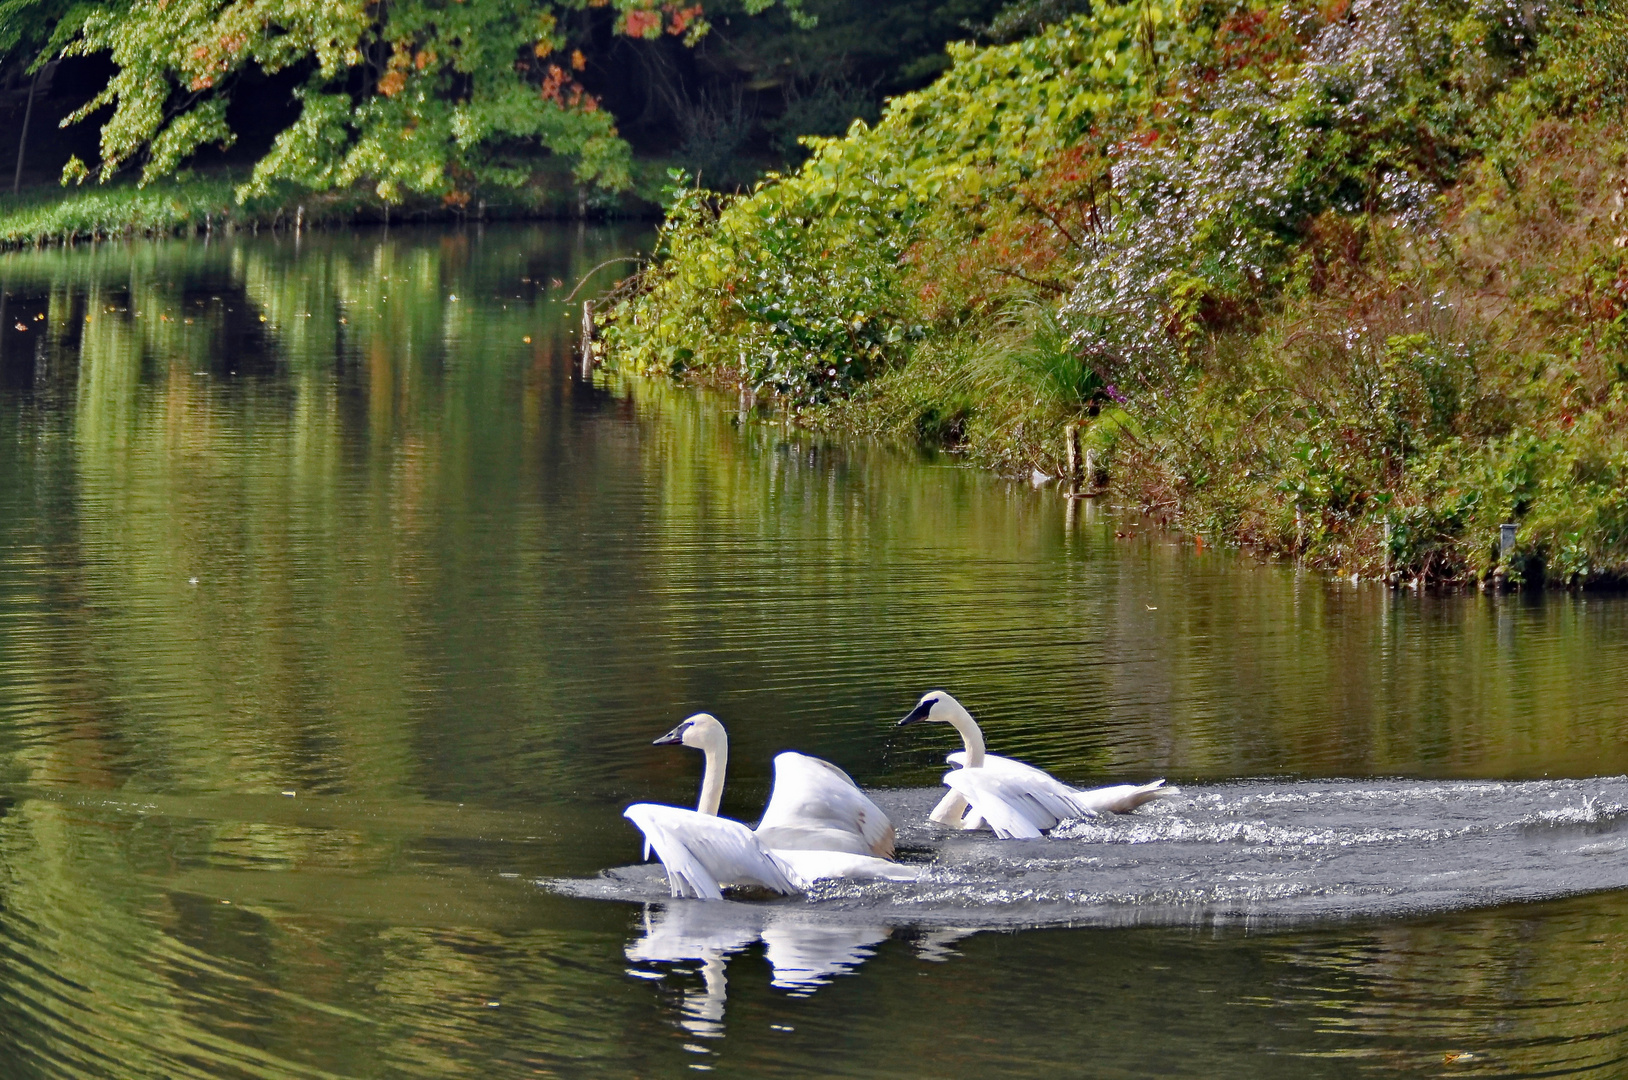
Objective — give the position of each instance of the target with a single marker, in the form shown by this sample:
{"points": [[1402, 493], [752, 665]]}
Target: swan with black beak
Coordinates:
{"points": [[1015, 800]]}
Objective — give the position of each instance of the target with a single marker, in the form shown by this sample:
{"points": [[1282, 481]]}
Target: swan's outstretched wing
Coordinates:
{"points": [[1121, 798], [702, 853], [815, 805], [1015, 809]]}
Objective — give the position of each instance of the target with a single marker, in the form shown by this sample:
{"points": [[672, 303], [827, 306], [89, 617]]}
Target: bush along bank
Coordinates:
{"points": [[1345, 281]]}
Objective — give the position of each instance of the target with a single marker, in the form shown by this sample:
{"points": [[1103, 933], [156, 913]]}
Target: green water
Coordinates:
{"points": [[335, 614]]}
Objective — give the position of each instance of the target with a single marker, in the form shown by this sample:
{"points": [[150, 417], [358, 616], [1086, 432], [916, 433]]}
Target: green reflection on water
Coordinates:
{"points": [[316, 518]]}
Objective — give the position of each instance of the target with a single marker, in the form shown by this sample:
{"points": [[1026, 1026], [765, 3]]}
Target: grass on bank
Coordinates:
{"points": [[1346, 281], [195, 204]]}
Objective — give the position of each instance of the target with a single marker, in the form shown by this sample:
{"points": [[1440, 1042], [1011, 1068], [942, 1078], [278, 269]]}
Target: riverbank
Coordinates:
{"points": [[1348, 284], [204, 204]]}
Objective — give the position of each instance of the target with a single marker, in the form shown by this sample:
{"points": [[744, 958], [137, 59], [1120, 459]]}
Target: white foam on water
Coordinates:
{"points": [[1261, 851]]}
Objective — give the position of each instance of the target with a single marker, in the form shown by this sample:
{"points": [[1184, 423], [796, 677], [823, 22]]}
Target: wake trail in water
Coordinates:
{"points": [[1257, 852]]}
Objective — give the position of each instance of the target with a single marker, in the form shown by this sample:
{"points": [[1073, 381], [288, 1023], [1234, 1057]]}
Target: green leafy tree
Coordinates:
{"points": [[26, 29], [423, 96]]}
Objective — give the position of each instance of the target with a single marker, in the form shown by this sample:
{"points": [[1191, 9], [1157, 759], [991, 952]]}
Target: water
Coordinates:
{"points": [[336, 619]]}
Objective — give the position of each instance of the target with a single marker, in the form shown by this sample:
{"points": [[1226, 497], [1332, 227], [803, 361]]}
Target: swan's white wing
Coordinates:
{"points": [[702, 853], [814, 865], [814, 804], [1117, 799], [1121, 797], [1013, 808]]}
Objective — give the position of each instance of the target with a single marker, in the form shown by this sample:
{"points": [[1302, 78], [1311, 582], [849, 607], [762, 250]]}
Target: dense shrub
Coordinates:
{"points": [[1347, 281]]}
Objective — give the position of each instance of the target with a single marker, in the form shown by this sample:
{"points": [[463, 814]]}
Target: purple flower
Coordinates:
{"points": [[1113, 391]]}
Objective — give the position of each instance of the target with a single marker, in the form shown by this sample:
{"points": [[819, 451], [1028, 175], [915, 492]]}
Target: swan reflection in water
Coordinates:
{"points": [[804, 950]]}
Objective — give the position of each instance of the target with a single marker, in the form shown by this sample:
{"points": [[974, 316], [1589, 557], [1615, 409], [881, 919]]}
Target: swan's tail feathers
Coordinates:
{"points": [[702, 853], [1121, 798]]}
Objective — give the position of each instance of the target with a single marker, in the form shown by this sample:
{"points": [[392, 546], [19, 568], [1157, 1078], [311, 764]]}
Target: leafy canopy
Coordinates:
{"points": [[426, 96]]}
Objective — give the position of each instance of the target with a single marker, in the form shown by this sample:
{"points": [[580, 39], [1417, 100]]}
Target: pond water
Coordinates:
{"points": [[337, 615]]}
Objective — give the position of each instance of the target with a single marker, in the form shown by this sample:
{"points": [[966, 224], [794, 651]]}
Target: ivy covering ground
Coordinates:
{"points": [[1348, 281]]}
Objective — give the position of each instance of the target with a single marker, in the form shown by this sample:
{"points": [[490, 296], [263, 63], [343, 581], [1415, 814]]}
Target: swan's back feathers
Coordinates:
{"points": [[702, 853], [1014, 808], [815, 805], [1006, 766]]}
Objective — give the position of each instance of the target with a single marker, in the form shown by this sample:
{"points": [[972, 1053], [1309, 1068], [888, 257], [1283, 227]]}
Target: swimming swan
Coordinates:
{"points": [[818, 824], [1017, 801]]}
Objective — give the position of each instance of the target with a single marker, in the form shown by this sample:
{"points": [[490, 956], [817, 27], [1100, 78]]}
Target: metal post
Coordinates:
{"points": [[1506, 539]]}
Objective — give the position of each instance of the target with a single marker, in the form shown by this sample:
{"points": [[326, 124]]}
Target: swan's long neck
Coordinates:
{"points": [[971, 736], [712, 779]]}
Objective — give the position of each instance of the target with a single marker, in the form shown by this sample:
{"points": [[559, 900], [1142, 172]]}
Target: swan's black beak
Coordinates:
{"points": [[674, 736], [919, 712]]}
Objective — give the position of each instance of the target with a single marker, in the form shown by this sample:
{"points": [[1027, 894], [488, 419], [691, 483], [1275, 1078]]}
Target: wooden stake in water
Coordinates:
{"points": [[1074, 470], [587, 342]]}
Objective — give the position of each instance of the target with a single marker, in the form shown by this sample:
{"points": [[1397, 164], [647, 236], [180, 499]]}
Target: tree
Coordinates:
{"points": [[26, 31], [424, 96]]}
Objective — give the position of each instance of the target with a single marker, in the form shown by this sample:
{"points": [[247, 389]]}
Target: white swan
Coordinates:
{"points": [[818, 824], [1017, 801]]}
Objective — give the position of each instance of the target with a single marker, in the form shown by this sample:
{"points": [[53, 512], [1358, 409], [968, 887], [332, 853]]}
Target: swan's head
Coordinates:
{"points": [[935, 707], [701, 731]]}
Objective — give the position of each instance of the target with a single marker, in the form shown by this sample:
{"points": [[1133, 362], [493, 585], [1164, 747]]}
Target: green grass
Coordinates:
{"points": [[196, 204]]}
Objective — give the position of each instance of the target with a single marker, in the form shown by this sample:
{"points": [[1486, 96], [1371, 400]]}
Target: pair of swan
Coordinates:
{"points": [[818, 824]]}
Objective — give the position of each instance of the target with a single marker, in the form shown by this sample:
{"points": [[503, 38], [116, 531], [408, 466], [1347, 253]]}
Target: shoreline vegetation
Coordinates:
{"points": [[1342, 281], [202, 204]]}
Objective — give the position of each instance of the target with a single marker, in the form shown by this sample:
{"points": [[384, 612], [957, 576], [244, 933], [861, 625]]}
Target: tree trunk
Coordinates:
{"points": [[22, 143]]}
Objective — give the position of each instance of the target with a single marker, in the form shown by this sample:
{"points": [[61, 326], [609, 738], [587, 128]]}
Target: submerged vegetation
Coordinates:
{"points": [[1347, 281]]}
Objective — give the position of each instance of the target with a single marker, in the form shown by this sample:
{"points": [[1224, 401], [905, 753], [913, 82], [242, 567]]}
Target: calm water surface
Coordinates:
{"points": [[336, 618]]}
